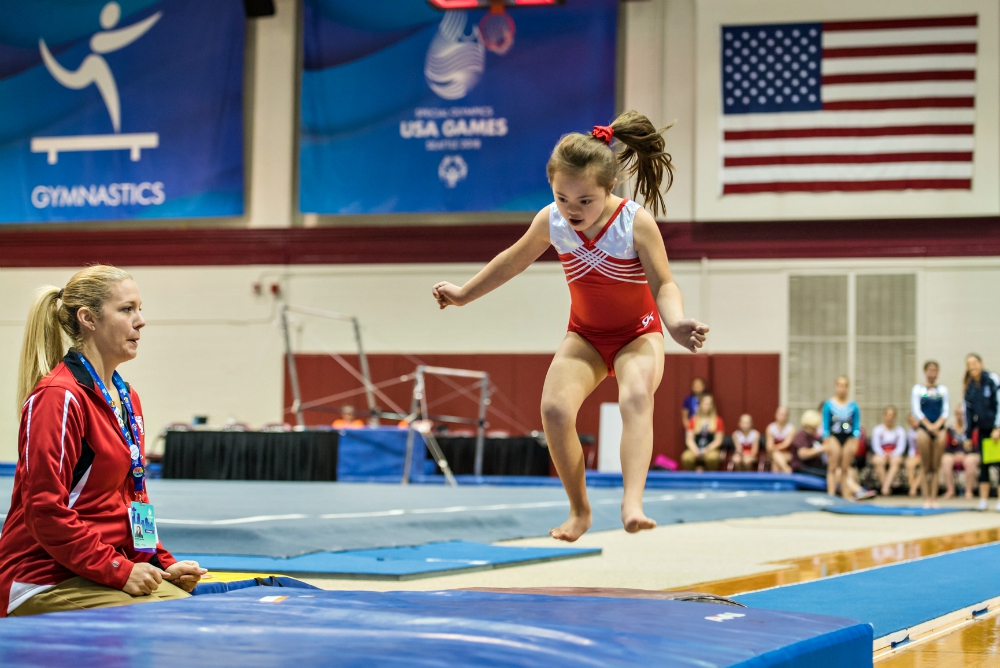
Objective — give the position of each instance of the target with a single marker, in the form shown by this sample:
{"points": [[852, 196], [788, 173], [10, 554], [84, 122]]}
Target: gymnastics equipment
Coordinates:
{"points": [[419, 419], [293, 376]]}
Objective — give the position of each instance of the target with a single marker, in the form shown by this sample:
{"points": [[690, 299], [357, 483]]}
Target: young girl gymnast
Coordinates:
{"points": [[621, 290]]}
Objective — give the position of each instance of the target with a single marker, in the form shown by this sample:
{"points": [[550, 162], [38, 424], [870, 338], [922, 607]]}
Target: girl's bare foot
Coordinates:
{"points": [[634, 520], [573, 528], [949, 494]]}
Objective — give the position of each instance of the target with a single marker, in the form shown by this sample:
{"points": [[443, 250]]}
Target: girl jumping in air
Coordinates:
{"points": [[621, 290]]}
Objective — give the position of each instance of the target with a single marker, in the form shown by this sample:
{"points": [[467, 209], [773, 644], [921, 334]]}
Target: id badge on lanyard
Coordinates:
{"points": [[142, 522]]}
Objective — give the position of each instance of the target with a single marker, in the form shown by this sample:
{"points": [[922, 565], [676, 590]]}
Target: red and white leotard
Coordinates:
{"points": [[745, 442], [611, 302]]}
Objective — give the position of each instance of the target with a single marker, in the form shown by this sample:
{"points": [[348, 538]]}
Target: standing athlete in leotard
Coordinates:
{"points": [[929, 404], [621, 289]]}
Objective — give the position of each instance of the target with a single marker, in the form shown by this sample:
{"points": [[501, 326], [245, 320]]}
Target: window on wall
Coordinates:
{"points": [[863, 326], [886, 344]]}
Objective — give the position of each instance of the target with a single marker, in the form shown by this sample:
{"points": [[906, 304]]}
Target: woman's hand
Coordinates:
{"points": [[144, 579], [688, 333], [448, 294], [186, 574], [995, 434]]}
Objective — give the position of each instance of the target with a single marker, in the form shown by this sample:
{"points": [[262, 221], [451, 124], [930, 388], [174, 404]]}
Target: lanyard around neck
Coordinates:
{"points": [[127, 425]]}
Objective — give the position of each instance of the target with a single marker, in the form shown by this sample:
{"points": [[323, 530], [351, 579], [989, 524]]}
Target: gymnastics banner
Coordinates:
{"points": [[127, 109], [406, 109]]}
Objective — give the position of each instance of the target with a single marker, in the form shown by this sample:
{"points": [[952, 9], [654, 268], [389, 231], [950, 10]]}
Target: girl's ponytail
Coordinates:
{"points": [[42, 348], [644, 157]]}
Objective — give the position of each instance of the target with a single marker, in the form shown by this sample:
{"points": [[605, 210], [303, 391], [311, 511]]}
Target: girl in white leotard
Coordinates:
{"points": [[779, 436]]}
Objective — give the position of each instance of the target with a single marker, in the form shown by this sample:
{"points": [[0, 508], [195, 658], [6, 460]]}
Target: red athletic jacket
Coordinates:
{"points": [[72, 489]]}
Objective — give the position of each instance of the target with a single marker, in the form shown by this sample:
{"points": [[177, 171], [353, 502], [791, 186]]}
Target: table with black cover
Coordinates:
{"points": [[522, 455], [251, 455]]}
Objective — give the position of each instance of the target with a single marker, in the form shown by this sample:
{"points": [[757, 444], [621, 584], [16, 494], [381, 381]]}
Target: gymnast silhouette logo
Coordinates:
{"points": [[94, 70]]}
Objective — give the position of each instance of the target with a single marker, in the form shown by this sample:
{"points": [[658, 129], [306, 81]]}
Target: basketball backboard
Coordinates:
{"points": [[485, 4]]}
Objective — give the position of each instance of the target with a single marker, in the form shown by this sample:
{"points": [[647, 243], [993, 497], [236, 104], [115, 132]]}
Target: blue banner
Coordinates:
{"points": [[406, 109], [127, 109]]}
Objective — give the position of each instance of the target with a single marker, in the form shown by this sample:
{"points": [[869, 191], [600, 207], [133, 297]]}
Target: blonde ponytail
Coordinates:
{"points": [[43, 347]]}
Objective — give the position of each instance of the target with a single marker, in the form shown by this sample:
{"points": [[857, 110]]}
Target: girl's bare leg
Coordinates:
{"points": [[912, 476], [639, 369], [848, 487], [930, 471], [779, 461], [971, 467], [833, 456], [878, 463], [576, 370], [894, 465], [948, 469]]}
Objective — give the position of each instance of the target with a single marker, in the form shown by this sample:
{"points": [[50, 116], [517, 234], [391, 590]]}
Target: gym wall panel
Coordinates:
{"points": [[212, 347]]}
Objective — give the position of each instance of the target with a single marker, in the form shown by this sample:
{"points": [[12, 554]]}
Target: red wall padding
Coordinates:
{"points": [[740, 383]]}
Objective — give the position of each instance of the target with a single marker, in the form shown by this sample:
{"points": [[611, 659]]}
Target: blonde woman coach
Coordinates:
{"points": [[81, 531]]}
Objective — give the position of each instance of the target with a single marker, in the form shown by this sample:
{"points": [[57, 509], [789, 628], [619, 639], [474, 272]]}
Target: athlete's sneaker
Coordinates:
{"points": [[997, 508], [982, 504]]}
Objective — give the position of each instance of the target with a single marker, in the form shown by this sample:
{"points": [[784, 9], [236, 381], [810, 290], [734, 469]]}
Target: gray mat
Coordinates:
{"points": [[283, 519]]}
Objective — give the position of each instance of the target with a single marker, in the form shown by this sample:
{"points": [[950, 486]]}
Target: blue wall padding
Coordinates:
{"points": [[895, 597], [910, 511], [363, 453], [213, 587], [448, 628], [393, 562]]}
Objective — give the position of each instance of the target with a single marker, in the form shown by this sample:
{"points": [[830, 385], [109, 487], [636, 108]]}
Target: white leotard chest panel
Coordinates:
{"points": [[615, 242]]}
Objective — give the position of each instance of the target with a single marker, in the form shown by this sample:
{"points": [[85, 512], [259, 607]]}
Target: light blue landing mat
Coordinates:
{"points": [[896, 597], [252, 628], [907, 511], [393, 563]]}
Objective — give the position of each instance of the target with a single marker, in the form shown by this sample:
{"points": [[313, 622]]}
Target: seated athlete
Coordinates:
{"points": [[779, 436], [888, 445], [746, 441], [703, 438], [621, 290]]}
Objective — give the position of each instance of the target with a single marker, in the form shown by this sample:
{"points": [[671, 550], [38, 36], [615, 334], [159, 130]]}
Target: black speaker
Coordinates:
{"points": [[255, 8]]}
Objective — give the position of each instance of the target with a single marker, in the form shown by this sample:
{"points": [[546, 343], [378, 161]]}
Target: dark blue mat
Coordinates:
{"points": [[446, 628], [896, 597], [393, 563], [216, 587], [720, 480], [909, 511]]}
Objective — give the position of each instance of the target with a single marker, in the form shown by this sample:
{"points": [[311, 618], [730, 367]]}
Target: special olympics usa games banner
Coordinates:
{"points": [[404, 110], [121, 109]]}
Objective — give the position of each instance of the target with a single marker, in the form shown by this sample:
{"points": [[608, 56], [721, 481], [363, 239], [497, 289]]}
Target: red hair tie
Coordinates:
{"points": [[603, 132]]}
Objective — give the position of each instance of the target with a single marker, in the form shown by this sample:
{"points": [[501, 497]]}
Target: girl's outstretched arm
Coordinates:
{"points": [[653, 255], [502, 268]]}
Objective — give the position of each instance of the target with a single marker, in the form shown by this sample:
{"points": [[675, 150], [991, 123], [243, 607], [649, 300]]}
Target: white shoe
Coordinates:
{"points": [[997, 508], [982, 504]]}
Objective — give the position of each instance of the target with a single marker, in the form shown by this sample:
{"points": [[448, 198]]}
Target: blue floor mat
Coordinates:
{"points": [[717, 480], [909, 511], [895, 597], [393, 563], [443, 628]]}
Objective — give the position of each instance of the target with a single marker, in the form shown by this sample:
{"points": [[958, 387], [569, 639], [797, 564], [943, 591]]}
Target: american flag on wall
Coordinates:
{"points": [[848, 105]]}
